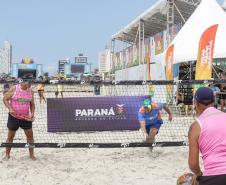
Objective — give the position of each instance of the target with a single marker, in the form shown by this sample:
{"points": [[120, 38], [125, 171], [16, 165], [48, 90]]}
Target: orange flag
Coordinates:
{"points": [[205, 54], [169, 70], [169, 62]]}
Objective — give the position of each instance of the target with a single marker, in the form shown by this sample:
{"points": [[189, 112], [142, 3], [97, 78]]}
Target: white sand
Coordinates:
{"points": [[130, 166]]}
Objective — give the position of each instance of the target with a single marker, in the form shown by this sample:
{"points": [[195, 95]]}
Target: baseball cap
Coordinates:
{"points": [[146, 102], [204, 95]]}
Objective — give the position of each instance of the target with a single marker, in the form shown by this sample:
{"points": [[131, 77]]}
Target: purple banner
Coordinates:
{"points": [[93, 113]]}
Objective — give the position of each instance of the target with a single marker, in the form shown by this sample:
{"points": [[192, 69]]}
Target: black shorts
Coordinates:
{"points": [[58, 92], [39, 91], [222, 96], [179, 102], [212, 180], [185, 102], [14, 123]]}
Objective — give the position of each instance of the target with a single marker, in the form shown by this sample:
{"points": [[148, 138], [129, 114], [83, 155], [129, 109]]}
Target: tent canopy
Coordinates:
{"points": [[186, 43], [155, 19]]}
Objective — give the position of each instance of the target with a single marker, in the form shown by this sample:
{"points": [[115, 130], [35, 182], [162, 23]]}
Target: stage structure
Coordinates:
{"points": [[76, 69], [27, 69]]}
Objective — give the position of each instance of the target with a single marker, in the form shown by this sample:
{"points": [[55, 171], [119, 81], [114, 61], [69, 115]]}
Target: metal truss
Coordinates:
{"points": [[192, 2]]}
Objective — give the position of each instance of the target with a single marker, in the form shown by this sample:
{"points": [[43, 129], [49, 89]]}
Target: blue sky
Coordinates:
{"points": [[49, 30]]}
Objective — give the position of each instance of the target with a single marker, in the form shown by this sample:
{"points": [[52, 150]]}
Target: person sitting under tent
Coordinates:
{"points": [[179, 97], [216, 91], [184, 101], [150, 118]]}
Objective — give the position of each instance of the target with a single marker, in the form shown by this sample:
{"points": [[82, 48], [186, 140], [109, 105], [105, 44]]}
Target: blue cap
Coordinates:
{"points": [[204, 95]]}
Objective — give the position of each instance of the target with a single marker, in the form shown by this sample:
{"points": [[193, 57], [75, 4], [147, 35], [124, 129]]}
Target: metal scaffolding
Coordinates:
{"points": [[157, 18], [161, 16]]}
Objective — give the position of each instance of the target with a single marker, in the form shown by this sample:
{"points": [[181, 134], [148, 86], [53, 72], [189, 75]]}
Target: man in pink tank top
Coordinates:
{"points": [[19, 100], [207, 135]]}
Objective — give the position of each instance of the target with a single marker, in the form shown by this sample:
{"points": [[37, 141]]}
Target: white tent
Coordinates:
{"points": [[186, 43]]}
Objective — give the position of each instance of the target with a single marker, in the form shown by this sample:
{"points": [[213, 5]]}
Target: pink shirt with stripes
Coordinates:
{"points": [[20, 102], [212, 141]]}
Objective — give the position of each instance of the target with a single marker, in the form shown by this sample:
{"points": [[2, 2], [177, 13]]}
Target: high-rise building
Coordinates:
{"points": [[61, 65], [81, 59], [6, 58], [105, 61]]}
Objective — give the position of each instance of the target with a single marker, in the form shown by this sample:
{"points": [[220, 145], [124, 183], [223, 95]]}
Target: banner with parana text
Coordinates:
{"points": [[93, 113]]}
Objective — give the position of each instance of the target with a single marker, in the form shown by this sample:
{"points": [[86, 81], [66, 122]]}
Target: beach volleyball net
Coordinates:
{"points": [[104, 114]]}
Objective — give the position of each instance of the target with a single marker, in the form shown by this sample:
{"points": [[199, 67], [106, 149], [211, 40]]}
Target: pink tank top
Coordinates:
{"points": [[20, 102], [212, 141]]}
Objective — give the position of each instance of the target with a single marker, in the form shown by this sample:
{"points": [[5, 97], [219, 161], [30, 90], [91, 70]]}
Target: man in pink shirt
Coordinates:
{"points": [[19, 100], [207, 135]]}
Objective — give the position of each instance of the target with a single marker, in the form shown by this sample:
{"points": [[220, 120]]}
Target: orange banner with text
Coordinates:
{"points": [[169, 62], [205, 54], [169, 70]]}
